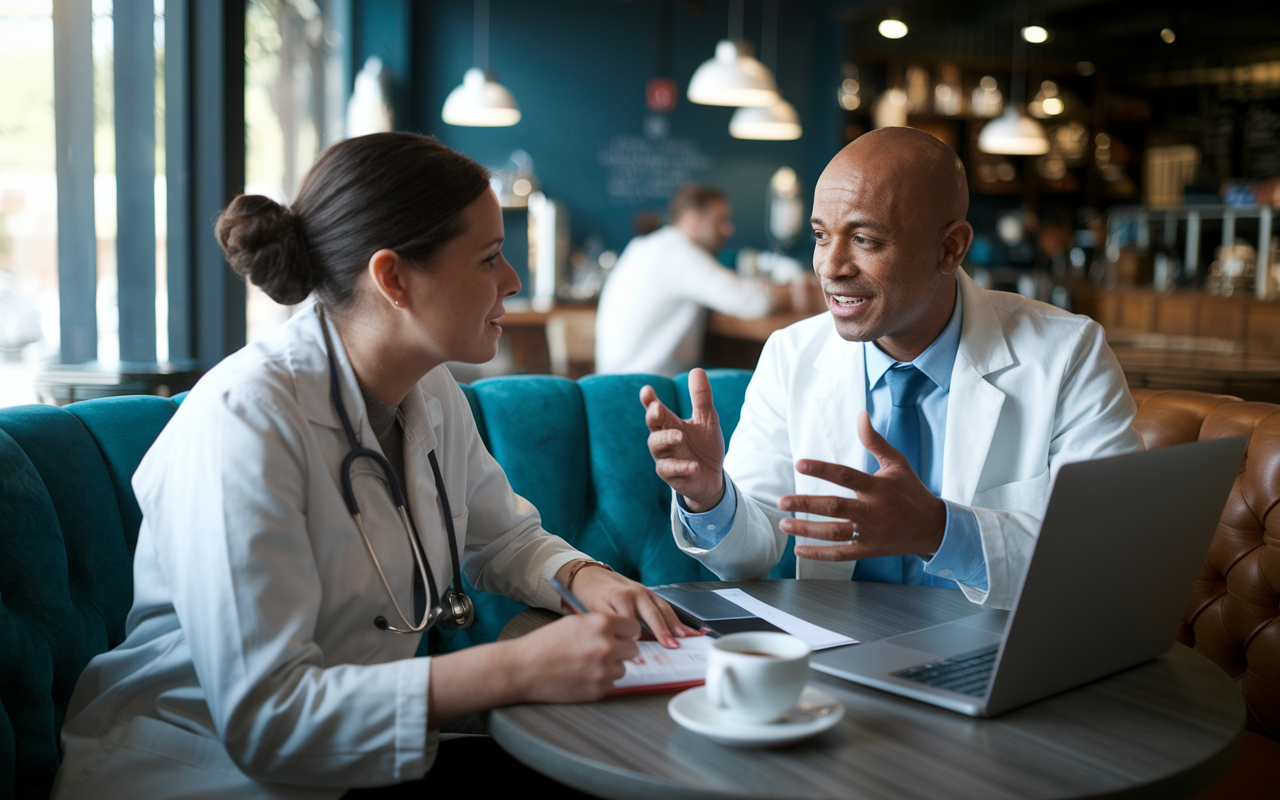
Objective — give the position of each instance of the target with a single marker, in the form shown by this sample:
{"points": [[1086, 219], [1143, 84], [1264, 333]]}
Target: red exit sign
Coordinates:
{"points": [[660, 95]]}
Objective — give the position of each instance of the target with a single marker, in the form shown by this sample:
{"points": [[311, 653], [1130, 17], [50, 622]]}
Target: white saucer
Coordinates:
{"points": [[692, 711]]}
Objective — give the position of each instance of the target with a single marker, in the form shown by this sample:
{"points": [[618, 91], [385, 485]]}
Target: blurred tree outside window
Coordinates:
{"points": [[29, 300], [293, 109], [28, 199]]}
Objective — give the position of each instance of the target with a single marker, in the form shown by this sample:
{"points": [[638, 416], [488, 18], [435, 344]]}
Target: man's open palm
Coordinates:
{"points": [[688, 453]]}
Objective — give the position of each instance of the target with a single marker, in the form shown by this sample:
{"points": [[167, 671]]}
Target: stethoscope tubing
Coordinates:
{"points": [[461, 610]]}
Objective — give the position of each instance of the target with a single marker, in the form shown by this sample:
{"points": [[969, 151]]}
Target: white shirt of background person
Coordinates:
{"points": [[653, 310]]}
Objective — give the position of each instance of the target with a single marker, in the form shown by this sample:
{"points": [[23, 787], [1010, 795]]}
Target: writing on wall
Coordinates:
{"points": [[644, 168]]}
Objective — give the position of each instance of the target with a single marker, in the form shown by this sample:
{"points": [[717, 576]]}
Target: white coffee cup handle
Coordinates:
{"points": [[716, 685]]}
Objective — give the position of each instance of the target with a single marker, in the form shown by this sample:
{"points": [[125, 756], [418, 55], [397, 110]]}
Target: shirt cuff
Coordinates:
{"points": [[708, 529], [960, 557]]}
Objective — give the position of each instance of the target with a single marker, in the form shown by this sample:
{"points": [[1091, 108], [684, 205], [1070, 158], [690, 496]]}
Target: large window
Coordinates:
{"points": [[293, 108], [30, 316], [28, 198], [105, 249]]}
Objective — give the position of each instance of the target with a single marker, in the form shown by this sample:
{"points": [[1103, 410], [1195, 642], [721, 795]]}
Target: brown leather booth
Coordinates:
{"points": [[1234, 613]]}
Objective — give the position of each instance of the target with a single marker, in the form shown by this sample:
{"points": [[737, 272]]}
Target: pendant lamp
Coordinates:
{"points": [[480, 101], [777, 121], [1013, 133], [733, 77]]}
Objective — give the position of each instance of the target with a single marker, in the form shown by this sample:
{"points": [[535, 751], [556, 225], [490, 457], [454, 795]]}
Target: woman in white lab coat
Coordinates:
{"points": [[270, 650]]}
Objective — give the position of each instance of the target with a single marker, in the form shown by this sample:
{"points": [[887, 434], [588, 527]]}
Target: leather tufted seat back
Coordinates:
{"points": [[1232, 616]]}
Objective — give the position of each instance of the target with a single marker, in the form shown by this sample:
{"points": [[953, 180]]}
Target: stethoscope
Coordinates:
{"points": [[454, 610]]}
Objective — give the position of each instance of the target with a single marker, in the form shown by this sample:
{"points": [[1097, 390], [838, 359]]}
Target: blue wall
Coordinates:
{"points": [[578, 69]]}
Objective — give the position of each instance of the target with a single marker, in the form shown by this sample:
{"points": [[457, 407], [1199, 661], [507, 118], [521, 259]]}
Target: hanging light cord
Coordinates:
{"points": [[1018, 80], [481, 42], [666, 25], [735, 21], [769, 35]]}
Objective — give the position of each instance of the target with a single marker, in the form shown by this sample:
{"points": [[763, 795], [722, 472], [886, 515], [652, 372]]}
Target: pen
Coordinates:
{"points": [[577, 605], [569, 598]]}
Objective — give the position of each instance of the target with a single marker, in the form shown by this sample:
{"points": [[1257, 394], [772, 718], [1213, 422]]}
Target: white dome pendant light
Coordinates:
{"points": [[480, 101], [779, 120], [733, 77], [1013, 133]]}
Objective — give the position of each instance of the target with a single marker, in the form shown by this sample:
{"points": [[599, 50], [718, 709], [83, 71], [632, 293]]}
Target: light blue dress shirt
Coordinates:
{"points": [[959, 557]]}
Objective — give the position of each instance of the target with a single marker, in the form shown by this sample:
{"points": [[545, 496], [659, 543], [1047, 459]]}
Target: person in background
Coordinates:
{"points": [[653, 309]]}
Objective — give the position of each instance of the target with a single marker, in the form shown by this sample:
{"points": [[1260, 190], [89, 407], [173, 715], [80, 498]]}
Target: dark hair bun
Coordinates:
{"points": [[264, 243]]}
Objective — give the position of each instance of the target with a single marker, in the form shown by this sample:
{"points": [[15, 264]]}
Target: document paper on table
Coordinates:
{"points": [[657, 669], [819, 638]]}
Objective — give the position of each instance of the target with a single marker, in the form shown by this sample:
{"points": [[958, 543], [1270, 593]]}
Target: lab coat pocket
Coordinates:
{"points": [[158, 760], [1015, 496]]}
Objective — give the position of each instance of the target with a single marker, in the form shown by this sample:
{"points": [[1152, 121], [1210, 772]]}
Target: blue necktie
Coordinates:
{"points": [[906, 384]]}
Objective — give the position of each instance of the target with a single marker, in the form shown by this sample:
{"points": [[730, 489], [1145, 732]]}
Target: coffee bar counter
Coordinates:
{"points": [[1189, 339], [737, 343]]}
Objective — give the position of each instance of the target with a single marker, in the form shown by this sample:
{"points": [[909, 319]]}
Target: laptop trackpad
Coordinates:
{"points": [[948, 639]]}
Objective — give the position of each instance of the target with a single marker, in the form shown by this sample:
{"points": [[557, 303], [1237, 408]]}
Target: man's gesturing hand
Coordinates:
{"points": [[893, 515], [688, 453]]}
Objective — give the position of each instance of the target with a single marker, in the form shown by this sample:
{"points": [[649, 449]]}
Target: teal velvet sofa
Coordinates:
{"points": [[69, 523]]}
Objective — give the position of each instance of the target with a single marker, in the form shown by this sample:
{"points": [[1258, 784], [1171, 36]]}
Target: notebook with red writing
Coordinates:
{"points": [[657, 669]]}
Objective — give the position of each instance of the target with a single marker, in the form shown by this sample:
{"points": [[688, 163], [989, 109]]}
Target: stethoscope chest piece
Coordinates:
{"points": [[459, 611]]}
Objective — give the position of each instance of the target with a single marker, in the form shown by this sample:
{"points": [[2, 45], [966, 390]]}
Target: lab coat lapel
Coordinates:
{"points": [[307, 358], [840, 394], [975, 404], [423, 419]]}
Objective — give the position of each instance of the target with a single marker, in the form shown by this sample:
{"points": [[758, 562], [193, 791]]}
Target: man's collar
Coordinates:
{"points": [[937, 361]]}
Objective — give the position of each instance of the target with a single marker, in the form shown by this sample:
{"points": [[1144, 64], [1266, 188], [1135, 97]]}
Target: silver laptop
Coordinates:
{"points": [[1119, 549]]}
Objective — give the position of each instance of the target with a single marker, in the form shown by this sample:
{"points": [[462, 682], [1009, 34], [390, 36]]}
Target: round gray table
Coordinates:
{"points": [[1167, 728]]}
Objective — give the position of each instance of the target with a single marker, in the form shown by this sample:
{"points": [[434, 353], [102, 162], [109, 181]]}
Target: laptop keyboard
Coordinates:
{"points": [[967, 674]]}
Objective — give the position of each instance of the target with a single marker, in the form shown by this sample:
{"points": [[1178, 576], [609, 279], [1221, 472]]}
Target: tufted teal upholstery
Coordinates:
{"points": [[69, 522], [578, 452]]}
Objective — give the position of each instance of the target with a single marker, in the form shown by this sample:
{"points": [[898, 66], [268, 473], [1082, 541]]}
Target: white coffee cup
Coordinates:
{"points": [[757, 676]]}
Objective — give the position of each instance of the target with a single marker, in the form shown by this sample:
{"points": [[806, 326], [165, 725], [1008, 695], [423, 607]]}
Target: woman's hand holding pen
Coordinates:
{"points": [[606, 591], [577, 658], [573, 660]]}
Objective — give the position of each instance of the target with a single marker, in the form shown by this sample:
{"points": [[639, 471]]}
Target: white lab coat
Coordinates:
{"points": [[252, 667], [1033, 388], [653, 309]]}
